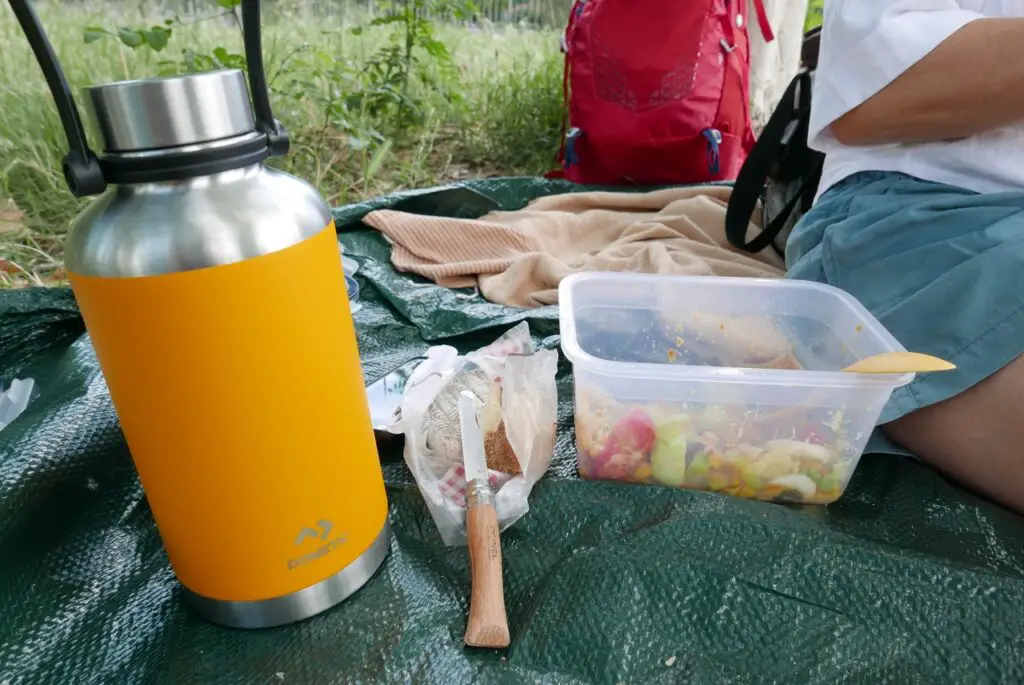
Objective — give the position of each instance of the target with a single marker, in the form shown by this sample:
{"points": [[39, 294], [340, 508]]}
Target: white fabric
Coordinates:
{"points": [[867, 44], [774, 64]]}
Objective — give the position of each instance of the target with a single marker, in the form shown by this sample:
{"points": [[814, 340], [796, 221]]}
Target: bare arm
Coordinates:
{"points": [[972, 82]]}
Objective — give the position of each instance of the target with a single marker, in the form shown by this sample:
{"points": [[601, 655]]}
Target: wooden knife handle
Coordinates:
{"points": [[488, 623]]}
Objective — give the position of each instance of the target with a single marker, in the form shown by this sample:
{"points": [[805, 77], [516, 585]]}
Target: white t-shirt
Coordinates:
{"points": [[865, 45]]}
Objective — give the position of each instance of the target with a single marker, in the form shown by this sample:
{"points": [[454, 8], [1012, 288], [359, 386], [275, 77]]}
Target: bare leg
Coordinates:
{"points": [[977, 437]]}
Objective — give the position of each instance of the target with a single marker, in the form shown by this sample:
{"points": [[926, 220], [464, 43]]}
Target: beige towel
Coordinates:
{"points": [[519, 258]]}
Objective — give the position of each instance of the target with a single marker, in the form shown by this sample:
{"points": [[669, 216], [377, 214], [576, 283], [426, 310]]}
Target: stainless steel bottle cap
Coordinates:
{"points": [[169, 112]]}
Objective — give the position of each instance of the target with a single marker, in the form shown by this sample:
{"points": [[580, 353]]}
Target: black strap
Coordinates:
{"points": [[780, 154], [758, 167], [810, 48]]}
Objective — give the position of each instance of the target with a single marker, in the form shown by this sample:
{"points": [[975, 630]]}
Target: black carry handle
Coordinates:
{"points": [[277, 136], [81, 166]]}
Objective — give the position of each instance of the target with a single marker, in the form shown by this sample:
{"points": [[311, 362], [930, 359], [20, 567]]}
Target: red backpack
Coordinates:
{"points": [[657, 91]]}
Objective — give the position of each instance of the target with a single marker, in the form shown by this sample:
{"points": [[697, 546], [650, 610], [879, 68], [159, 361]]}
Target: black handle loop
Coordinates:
{"points": [[277, 136], [81, 166]]}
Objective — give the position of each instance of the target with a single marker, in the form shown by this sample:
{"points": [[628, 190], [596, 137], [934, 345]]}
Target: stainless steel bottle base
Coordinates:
{"points": [[301, 604]]}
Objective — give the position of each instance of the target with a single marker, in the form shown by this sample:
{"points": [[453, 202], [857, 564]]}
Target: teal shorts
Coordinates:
{"points": [[936, 264]]}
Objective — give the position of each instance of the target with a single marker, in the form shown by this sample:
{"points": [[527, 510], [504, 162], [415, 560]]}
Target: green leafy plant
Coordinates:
{"points": [[378, 89], [154, 37], [157, 37], [317, 76], [413, 52]]}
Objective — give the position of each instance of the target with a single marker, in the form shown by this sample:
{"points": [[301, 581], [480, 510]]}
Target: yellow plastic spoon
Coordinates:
{"points": [[899, 362]]}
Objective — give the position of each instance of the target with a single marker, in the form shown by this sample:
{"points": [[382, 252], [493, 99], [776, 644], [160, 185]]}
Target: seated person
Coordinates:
{"points": [[919, 108]]}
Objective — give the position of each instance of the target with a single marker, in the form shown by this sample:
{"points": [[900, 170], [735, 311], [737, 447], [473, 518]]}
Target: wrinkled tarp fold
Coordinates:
{"points": [[907, 579]]}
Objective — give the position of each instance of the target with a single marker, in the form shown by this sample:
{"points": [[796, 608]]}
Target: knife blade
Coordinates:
{"points": [[473, 456], [487, 625]]}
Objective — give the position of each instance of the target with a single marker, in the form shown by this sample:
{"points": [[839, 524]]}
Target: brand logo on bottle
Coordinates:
{"points": [[321, 532]]}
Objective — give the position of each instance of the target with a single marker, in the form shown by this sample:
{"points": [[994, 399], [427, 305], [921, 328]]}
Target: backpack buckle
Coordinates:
{"points": [[571, 157], [714, 138]]}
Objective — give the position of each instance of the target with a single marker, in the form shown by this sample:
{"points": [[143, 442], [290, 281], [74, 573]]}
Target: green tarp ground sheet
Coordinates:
{"points": [[907, 579]]}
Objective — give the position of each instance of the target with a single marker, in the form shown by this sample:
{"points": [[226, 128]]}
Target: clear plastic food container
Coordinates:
{"points": [[723, 384]]}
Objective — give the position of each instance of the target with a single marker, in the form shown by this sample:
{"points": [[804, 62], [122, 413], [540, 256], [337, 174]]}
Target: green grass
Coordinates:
{"points": [[498, 112]]}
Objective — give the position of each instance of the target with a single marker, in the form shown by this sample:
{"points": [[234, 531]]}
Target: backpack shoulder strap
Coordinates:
{"points": [[811, 47], [763, 161]]}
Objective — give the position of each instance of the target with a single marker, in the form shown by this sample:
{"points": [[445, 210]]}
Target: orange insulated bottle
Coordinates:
{"points": [[212, 290]]}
